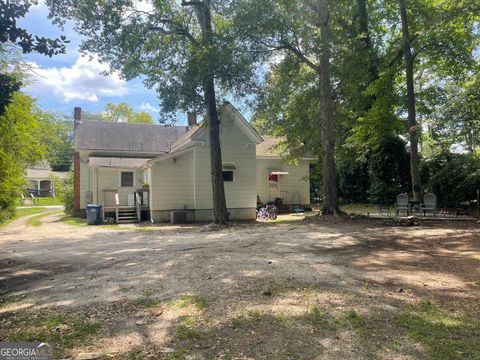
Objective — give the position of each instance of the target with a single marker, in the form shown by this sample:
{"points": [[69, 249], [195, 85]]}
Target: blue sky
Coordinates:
{"points": [[65, 81]]}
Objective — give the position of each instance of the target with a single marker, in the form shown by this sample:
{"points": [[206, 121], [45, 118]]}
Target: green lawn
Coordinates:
{"points": [[47, 201], [36, 220], [24, 212]]}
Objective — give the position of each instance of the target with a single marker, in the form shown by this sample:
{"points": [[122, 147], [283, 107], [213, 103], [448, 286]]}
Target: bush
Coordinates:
{"points": [[453, 178], [389, 168], [353, 177], [378, 176], [64, 191]]}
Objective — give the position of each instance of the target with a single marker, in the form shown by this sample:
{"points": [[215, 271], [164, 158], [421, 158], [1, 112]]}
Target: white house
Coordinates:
{"points": [[38, 179], [139, 170]]}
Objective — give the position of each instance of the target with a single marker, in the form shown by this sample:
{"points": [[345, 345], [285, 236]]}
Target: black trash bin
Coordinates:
{"points": [[94, 214]]}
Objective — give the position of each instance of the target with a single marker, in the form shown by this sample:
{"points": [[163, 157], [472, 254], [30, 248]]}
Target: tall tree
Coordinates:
{"points": [[412, 116], [55, 133], [19, 147], [330, 200], [11, 34], [303, 38], [186, 51], [124, 113]]}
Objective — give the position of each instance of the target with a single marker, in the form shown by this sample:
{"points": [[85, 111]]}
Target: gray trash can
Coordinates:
{"points": [[94, 214]]}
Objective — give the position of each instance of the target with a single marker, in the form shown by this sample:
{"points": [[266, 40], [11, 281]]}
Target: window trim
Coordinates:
{"points": [[120, 178]]}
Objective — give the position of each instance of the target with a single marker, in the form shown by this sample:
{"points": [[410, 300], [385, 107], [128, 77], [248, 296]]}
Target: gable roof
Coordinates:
{"points": [[243, 124], [128, 137], [270, 147]]}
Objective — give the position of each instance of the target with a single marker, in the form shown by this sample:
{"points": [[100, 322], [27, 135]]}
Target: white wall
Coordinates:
{"points": [[172, 183], [96, 180], [236, 148], [294, 187], [85, 178]]}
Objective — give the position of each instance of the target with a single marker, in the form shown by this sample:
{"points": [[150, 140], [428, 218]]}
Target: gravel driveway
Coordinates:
{"points": [[57, 265]]}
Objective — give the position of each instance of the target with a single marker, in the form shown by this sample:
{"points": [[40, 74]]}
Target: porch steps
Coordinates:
{"points": [[127, 215]]}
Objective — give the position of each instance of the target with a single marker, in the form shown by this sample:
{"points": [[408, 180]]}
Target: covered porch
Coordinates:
{"points": [[121, 187]]}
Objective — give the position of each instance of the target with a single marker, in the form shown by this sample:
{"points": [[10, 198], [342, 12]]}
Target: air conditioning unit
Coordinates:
{"points": [[178, 217]]}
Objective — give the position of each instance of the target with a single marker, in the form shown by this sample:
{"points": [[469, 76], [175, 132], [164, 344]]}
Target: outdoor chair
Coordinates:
{"points": [[429, 204], [402, 204]]}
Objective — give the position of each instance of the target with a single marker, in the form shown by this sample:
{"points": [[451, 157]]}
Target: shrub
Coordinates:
{"points": [[64, 191], [389, 169], [453, 177]]}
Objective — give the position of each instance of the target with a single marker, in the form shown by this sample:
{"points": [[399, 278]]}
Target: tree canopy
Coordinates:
{"points": [[123, 112]]}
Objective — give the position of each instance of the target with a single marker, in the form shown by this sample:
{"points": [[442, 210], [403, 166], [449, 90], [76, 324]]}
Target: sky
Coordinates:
{"points": [[68, 80]]}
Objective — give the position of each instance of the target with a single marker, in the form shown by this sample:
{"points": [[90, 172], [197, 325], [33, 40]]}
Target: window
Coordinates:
{"points": [[126, 179], [228, 175]]}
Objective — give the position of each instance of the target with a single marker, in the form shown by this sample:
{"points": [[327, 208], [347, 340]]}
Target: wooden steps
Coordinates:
{"points": [[127, 215]]}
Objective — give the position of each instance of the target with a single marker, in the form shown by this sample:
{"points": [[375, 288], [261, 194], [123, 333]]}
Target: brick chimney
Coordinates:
{"points": [[77, 117], [77, 120], [192, 118]]}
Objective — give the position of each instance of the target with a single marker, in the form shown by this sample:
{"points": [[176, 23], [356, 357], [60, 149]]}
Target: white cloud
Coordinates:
{"points": [[146, 106], [82, 81]]}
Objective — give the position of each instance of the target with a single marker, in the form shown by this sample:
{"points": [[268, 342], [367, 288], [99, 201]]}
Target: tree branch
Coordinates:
{"points": [[178, 30], [300, 55], [193, 3]]}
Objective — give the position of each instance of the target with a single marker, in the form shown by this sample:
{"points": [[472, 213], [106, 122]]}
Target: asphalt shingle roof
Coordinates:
{"points": [[117, 136]]}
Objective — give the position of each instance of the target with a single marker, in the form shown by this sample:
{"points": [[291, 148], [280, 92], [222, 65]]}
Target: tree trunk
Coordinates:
{"points": [[330, 200], [412, 121], [220, 214], [363, 22]]}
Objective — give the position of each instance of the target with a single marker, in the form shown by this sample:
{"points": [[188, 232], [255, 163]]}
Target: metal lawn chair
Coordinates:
{"points": [[429, 204], [403, 204]]}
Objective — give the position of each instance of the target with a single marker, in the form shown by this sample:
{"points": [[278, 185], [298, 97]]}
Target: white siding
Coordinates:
{"points": [[236, 148], [294, 188], [85, 181], [96, 180], [172, 183]]}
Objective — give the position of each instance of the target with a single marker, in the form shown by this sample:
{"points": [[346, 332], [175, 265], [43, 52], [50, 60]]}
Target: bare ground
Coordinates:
{"points": [[326, 289]]}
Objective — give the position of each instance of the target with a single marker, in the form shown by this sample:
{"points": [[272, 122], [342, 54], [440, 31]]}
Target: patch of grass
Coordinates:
{"points": [[23, 212], [42, 201], [187, 329], [10, 300], [181, 354], [444, 335], [314, 314], [35, 220], [138, 354], [147, 301], [185, 301], [72, 220], [257, 315], [62, 332]]}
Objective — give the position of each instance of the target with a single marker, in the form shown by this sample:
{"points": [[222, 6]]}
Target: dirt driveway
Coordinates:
{"points": [[296, 290]]}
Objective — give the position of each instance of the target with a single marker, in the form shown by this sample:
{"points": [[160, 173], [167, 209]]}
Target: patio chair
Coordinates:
{"points": [[403, 204], [429, 204]]}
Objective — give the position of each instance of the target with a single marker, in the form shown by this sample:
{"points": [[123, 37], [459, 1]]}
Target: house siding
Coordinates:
{"points": [[85, 182], [294, 187], [172, 185], [236, 148]]}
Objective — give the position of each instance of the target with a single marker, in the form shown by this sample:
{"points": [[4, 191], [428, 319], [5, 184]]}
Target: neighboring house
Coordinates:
{"points": [[39, 180], [152, 170]]}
